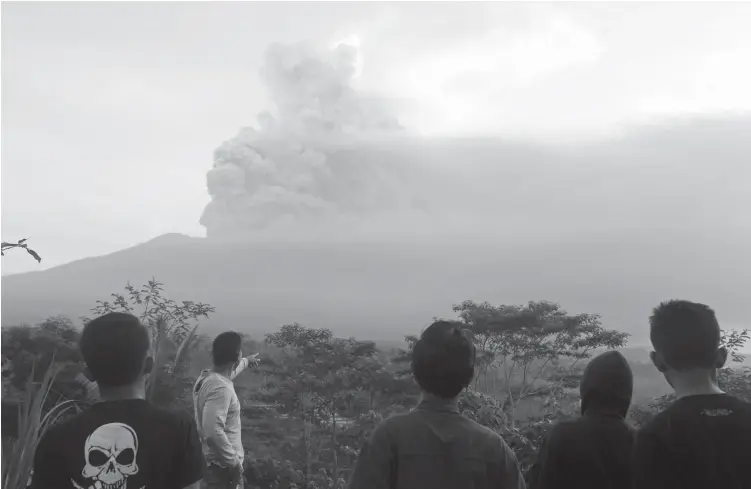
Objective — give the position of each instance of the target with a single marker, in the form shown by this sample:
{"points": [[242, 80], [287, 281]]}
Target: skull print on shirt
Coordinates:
{"points": [[111, 452]]}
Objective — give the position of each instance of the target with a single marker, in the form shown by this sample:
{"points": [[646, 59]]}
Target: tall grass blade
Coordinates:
{"points": [[33, 423]]}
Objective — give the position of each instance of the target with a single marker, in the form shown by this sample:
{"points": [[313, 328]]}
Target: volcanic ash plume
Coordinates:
{"points": [[295, 168]]}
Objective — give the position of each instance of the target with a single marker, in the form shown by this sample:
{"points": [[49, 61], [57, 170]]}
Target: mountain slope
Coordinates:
{"points": [[386, 290]]}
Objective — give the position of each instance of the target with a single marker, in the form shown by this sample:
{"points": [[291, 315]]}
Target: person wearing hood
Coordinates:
{"points": [[434, 446], [594, 450], [217, 413]]}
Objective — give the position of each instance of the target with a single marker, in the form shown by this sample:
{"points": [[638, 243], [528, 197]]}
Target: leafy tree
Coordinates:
{"points": [[20, 244], [319, 379], [29, 351], [536, 349], [173, 326]]}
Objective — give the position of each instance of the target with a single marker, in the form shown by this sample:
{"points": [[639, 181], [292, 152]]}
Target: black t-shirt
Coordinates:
{"points": [[701, 442], [120, 445]]}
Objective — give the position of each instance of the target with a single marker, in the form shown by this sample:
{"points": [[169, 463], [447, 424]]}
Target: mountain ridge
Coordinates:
{"points": [[385, 289]]}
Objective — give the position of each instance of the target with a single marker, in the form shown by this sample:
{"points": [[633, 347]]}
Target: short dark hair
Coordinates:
{"points": [[686, 334], [114, 347], [443, 359], [226, 348]]}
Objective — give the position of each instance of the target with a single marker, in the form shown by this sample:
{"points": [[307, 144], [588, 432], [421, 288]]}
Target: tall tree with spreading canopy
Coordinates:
{"points": [[535, 348]]}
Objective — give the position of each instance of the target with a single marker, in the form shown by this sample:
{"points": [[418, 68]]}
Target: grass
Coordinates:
{"points": [[33, 423]]}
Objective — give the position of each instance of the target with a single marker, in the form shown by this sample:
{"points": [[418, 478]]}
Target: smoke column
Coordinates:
{"points": [[295, 169], [334, 164]]}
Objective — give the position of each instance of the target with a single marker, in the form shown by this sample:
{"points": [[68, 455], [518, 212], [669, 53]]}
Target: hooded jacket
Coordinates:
{"points": [[593, 451]]}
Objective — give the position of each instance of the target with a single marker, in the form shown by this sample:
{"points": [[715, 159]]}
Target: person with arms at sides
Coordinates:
{"points": [[217, 413], [434, 446], [702, 440], [122, 442], [594, 450]]}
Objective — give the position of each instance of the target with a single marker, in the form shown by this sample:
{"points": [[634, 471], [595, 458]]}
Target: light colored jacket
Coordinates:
{"points": [[217, 413]]}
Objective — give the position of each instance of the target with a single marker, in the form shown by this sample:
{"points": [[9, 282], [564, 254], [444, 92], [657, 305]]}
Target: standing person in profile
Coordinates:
{"points": [[593, 451], [703, 440], [122, 442], [434, 446], [217, 413]]}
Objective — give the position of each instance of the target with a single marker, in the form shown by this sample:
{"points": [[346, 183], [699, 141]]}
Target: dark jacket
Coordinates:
{"points": [[593, 451], [435, 447]]}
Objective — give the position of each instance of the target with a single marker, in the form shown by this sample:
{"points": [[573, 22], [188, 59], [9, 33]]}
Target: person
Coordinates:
{"points": [[704, 438], [123, 441], [434, 446], [217, 413], [594, 450]]}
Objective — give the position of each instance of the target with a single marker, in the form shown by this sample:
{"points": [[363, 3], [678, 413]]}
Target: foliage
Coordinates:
{"points": [[173, 328], [150, 305], [28, 352], [33, 423], [20, 244], [315, 398], [534, 350], [327, 384], [25, 346]]}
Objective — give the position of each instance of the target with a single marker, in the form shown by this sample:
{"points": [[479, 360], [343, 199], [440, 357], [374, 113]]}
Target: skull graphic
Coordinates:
{"points": [[111, 452]]}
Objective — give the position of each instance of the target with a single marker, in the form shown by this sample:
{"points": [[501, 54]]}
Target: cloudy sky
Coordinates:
{"points": [[111, 111]]}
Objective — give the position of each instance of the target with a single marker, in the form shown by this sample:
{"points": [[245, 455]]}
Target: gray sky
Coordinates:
{"points": [[111, 111]]}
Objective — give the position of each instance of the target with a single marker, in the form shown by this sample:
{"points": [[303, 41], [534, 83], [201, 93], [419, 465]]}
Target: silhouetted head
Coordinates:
{"points": [[686, 338], [226, 350], [115, 348], [607, 385], [443, 359]]}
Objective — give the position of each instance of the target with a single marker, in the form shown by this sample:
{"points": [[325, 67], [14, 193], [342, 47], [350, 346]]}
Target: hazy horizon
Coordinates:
{"points": [[539, 123]]}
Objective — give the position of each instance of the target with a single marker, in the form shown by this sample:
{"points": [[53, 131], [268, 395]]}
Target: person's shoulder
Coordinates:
{"points": [[566, 427], [741, 405], [170, 417], [481, 430], [210, 382], [657, 423], [395, 421], [61, 431]]}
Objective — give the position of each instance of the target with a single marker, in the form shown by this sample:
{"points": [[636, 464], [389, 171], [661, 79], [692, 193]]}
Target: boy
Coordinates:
{"points": [[703, 440], [434, 446], [122, 442]]}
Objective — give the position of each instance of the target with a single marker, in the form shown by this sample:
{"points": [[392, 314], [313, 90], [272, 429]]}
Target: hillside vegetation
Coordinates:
{"points": [[315, 397]]}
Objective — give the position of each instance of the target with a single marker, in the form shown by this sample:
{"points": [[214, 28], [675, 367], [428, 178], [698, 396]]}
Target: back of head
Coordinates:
{"points": [[114, 347], [443, 359], [686, 335], [607, 385], [226, 349]]}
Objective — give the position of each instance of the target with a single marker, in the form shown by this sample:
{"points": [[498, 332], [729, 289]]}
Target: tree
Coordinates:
{"points": [[319, 378], [173, 326], [535, 348], [20, 244], [29, 351]]}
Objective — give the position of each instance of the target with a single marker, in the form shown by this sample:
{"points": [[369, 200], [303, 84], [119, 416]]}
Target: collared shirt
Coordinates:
{"points": [[434, 446]]}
